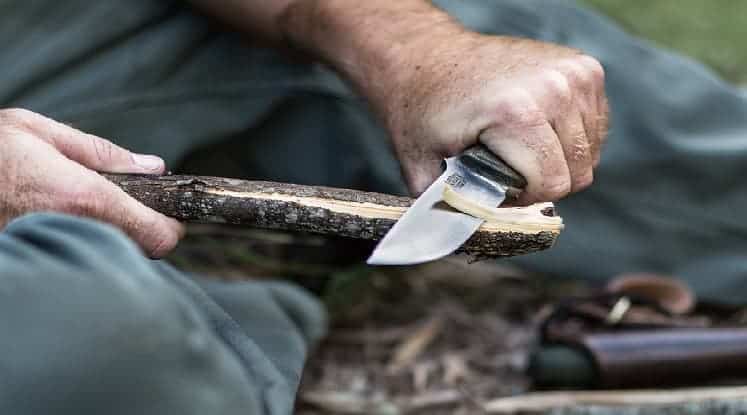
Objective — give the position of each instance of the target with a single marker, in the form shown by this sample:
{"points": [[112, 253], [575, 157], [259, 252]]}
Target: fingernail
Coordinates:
{"points": [[148, 162]]}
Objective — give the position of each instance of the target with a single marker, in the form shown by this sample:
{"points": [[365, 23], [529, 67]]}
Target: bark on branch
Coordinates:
{"points": [[315, 209]]}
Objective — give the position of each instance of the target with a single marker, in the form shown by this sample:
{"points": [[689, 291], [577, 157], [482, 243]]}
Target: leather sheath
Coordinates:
{"points": [[666, 357], [645, 345]]}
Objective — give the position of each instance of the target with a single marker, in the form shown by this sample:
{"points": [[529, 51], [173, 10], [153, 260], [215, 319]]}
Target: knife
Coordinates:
{"points": [[430, 229]]}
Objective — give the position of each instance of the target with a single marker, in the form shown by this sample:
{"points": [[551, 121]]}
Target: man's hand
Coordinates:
{"points": [[48, 166], [540, 107], [441, 89]]}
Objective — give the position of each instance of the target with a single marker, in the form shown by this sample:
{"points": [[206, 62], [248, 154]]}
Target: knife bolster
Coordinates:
{"points": [[485, 164]]}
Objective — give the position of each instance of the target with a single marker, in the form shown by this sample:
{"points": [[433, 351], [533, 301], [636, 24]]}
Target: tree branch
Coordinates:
{"points": [[318, 209]]}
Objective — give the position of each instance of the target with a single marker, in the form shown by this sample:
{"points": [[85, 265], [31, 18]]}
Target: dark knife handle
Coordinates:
{"points": [[484, 163]]}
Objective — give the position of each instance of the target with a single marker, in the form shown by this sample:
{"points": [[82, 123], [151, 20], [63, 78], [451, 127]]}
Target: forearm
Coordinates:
{"points": [[366, 41], [363, 40]]}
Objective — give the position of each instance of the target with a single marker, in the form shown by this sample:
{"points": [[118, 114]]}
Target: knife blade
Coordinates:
{"points": [[429, 229]]}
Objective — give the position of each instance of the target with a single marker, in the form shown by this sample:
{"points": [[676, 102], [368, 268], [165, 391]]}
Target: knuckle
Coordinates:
{"points": [[557, 84], [578, 147], [79, 204], [583, 181], [16, 117], [576, 74], [88, 199], [593, 67], [517, 108], [555, 188], [102, 150]]}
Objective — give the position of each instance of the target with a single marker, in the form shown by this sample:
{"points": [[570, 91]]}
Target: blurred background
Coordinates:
{"points": [[712, 31]]}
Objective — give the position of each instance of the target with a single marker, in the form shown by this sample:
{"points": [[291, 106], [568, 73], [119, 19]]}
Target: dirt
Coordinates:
{"points": [[441, 338]]}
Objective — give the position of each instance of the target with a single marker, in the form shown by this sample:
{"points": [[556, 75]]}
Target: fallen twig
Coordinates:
{"points": [[408, 351], [546, 401]]}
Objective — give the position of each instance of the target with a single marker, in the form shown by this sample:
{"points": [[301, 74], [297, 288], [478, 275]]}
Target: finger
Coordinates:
{"points": [[598, 110], [572, 134], [603, 130], [589, 108], [577, 123], [93, 152], [585, 77], [535, 152], [583, 87], [420, 172], [96, 197]]}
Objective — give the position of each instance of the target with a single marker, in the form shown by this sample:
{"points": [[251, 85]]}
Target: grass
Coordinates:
{"points": [[712, 31]]}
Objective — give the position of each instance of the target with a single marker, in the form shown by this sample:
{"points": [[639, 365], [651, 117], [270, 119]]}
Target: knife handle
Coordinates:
{"points": [[481, 161]]}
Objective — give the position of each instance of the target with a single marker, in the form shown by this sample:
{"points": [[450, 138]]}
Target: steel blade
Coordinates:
{"points": [[429, 230]]}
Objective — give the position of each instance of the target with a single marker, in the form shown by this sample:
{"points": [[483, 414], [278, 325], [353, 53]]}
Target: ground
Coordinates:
{"points": [[444, 337]]}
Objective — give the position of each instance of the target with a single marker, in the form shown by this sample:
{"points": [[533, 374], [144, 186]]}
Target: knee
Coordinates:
{"points": [[307, 314], [84, 306], [68, 240]]}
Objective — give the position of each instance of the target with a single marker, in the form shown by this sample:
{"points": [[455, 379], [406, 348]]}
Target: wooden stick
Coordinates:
{"points": [[547, 401], [318, 209]]}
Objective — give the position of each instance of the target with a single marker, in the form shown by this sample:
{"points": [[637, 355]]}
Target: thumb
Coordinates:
{"points": [[94, 152]]}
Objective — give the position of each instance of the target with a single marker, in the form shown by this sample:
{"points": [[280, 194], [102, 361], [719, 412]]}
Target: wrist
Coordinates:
{"points": [[377, 45]]}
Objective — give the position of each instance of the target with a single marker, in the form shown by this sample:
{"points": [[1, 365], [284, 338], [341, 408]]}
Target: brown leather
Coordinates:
{"points": [[666, 357], [671, 294], [645, 331], [574, 318], [638, 316]]}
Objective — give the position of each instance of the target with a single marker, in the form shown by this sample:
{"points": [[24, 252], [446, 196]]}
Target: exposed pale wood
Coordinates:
{"points": [[521, 218], [319, 209], [619, 402]]}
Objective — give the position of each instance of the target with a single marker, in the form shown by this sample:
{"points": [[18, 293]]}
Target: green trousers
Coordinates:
{"points": [[95, 328], [90, 326]]}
